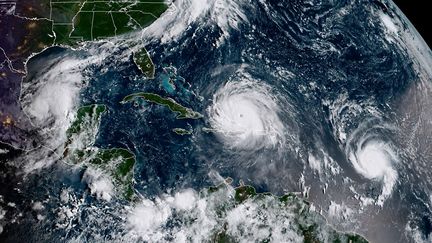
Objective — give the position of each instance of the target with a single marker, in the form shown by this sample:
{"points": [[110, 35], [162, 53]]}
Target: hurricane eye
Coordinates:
{"points": [[245, 116]]}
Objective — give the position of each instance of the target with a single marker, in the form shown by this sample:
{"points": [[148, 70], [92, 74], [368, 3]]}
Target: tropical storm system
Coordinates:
{"points": [[214, 121]]}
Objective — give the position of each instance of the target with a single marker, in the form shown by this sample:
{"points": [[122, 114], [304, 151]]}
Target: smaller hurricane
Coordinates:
{"points": [[244, 115], [374, 159]]}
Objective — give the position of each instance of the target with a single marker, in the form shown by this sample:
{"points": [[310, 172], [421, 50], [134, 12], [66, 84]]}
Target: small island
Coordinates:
{"points": [[182, 131], [183, 112]]}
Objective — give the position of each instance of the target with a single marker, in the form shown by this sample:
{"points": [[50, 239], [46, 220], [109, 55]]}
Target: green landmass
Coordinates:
{"points": [[183, 112], [79, 149], [86, 116], [70, 22], [244, 192], [309, 224], [82, 132], [182, 131], [144, 63], [89, 20], [119, 164], [99, 19], [86, 20]]}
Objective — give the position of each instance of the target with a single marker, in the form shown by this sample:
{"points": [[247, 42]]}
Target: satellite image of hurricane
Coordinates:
{"points": [[214, 121]]}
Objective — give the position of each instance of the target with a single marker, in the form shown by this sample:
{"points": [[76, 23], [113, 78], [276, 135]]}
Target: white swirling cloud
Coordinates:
{"points": [[375, 159], [244, 115]]}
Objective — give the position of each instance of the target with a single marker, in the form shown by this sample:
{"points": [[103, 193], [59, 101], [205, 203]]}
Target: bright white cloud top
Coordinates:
{"points": [[244, 115]]}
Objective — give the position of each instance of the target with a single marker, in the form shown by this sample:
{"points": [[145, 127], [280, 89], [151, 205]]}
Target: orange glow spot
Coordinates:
{"points": [[41, 45], [31, 25], [8, 121]]}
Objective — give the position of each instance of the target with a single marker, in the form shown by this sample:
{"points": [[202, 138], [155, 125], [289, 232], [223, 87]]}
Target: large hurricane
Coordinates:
{"points": [[245, 115]]}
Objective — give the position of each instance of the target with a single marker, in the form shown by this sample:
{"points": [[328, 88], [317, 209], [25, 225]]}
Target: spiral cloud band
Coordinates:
{"points": [[375, 159], [244, 115]]}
